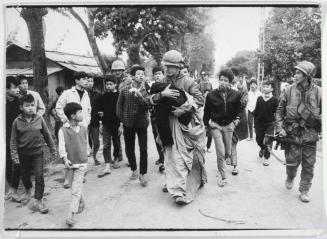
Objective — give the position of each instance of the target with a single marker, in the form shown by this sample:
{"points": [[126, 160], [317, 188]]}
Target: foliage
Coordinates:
{"points": [[291, 35], [245, 62]]}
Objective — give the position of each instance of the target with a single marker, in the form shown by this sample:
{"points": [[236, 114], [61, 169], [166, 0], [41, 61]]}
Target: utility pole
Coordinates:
{"points": [[261, 69]]}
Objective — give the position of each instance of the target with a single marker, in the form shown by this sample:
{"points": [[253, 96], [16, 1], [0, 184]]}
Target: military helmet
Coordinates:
{"points": [[118, 65], [307, 68], [172, 58]]}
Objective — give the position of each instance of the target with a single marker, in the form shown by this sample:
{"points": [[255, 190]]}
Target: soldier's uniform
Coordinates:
{"points": [[299, 114]]}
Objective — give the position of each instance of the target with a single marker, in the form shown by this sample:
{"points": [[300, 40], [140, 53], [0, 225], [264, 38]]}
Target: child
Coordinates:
{"points": [[111, 125], [132, 110], [264, 117], [253, 95], [73, 150], [26, 149], [12, 112]]}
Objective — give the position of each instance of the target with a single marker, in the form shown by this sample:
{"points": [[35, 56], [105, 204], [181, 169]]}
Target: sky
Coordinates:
{"points": [[233, 29]]}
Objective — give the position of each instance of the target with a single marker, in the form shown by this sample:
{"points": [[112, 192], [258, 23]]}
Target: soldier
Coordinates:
{"points": [[118, 70], [298, 117]]}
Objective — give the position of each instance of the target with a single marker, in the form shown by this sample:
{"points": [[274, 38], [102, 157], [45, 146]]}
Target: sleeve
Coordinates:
{"points": [[244, 98], [62, 101], [144, 100], [255, 111], [89, 109], [47, 136], [239, 107], [61, 145], [14, 143], [40, 105], [196, 93], [120, 105], [281, 109], [207, 111]]}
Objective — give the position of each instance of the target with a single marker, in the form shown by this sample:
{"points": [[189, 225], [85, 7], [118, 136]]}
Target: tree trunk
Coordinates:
{"points": [[33, 18], [133, 54]]}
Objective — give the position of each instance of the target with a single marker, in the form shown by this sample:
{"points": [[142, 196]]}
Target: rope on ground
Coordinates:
{"points": [[221, 219]]}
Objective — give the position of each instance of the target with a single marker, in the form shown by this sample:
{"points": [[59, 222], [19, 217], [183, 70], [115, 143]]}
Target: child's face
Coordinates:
{"points": [[266, 89], [158, 76], [110, 86], [13, 90], [139, 76], [78, 116], [253, 86], [28, 108]]}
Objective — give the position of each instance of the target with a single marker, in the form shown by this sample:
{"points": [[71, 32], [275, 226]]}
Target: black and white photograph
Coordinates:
{"points": [[163, 118]]}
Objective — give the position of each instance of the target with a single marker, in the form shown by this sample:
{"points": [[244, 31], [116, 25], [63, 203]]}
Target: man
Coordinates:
{"points": [[23, 90], [53, 112], [184, 159], [94, 125], [298, 117], [201, 78], [185, 70], [118, 70], [158, 74], [253, 95]]}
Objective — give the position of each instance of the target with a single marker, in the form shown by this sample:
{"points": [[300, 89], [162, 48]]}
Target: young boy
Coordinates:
{"points": [[132, 110], [264, 117], [111, 125], [253, 95], [26, 146], [12, 111], [73, 151]]}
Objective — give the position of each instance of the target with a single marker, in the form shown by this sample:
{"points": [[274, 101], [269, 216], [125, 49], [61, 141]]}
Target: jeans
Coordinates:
{"points": [[12, 171], [107, 134], [261, 129], [76, 176], [129, 136], [94, 141], [250, 123], [222, 136], [28, 162], [155, 135]]}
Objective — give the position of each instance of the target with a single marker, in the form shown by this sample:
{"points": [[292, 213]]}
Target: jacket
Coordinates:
{"points": [[72, 95], [26, 137], [289, 104], [220, 110]]}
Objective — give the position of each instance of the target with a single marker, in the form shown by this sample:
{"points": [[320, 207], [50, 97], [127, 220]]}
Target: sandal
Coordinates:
{"points": [[103, 174], [70, 222], [222, 183], [235, 171]]}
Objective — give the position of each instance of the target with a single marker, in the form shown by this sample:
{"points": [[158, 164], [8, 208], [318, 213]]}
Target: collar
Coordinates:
{"points": [[74, 89], [21, 117], [299, 86]]}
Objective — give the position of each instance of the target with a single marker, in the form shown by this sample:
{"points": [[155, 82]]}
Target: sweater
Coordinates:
{"points": [[265, 111], [220, 110], [72, 144], [107, 104], [26, 137]]}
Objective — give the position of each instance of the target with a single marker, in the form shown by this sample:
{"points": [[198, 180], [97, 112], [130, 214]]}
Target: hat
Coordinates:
{"points": [[307, 68], [118, 65], [172, 58], [135, 68]]}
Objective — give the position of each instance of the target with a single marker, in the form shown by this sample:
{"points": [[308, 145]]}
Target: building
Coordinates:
{"points": [[60, 67]]}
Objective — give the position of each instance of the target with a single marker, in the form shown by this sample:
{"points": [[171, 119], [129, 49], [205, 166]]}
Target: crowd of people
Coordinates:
{"points": [[183, 112]]}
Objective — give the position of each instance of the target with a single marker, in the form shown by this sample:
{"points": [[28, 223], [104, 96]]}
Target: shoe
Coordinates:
{"points": [[158, 162], [66, 185], [70, 222], [165, 189], [289, 184], [143, 182], [261, 152], [235, 171], [96, 162], [41, 207], [116, 164], [84, 180], [104, 173], [15, 198], [181, 201], [134, 175], [8, 195], [228, 161], [161, 168], [304, 197], [265, 162], [222, 183]]}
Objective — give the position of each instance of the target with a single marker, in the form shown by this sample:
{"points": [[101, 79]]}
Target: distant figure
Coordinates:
{"points": [[253, 95], [53, 113]]}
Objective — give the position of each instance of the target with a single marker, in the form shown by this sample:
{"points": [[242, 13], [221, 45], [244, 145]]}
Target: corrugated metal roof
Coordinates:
{"points": [[29, 71], [70, 61]]}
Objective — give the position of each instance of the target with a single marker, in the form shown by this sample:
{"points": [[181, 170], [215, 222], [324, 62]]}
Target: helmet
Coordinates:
{"points": [[307, 68], [118, 65], [172, 58]]}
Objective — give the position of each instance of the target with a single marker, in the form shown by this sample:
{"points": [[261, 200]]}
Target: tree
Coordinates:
{"points": [[291, 35], [246, 62], [34, 20]]}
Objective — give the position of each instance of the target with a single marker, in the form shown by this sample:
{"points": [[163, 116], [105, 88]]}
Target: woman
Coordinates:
{"points": [[224, 110]]}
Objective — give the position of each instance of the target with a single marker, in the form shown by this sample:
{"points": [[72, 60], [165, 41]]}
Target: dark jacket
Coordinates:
{"points": [[220, 110], [94, 99], [163, 110], [12, 111], [26, 137], [107, 105]]}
